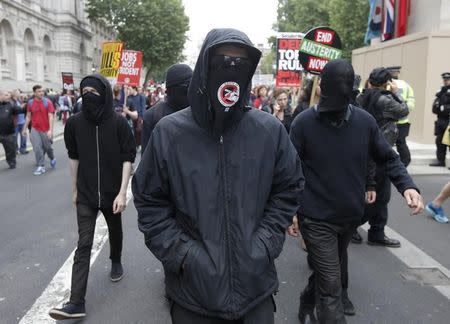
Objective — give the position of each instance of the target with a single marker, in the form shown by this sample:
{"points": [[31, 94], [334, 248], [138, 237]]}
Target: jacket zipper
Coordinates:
{"points": [[98, 168], [227, 223]]}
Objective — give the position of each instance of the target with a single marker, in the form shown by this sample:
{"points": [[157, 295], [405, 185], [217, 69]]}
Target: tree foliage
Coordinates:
{"points": [[155, 27], [348, 18]]}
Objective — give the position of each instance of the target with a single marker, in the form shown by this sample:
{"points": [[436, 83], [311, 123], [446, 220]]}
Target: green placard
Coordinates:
{"points": [[320, 50]]}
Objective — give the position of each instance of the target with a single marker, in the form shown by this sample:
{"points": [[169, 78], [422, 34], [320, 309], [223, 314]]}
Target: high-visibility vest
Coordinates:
{"points": [[407, 94]]}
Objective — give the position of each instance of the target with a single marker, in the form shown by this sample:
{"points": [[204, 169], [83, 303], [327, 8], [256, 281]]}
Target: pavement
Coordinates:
{"points": [[38, 233]]}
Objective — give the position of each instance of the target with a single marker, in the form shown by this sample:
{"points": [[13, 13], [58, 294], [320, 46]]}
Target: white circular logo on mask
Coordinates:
{"points": [[228, 94]]}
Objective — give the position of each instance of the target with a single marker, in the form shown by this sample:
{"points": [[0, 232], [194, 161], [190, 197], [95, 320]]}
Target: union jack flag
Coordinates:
{"points": [[387, 31]]}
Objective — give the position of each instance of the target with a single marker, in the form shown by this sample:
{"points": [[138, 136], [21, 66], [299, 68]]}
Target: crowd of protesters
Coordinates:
{"points": [[224, 270]]}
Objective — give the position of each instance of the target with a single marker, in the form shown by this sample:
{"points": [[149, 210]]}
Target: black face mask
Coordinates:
{"points": [[93, 106], [228, 79], [336, 87], [177, 96]]}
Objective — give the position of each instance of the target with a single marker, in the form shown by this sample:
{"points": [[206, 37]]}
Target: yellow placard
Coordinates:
{"points": [[111, 52]]}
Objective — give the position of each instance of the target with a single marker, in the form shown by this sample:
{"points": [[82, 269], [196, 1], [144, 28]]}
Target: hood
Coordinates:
{"points": [[197, 93], [108, 106], [336, 86]]}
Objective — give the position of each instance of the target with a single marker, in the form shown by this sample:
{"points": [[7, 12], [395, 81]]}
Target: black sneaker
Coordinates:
{"points": [[385, 241], [116, 271], [437, 163], [347, 304], [12, 166], [356, 238], [68, 311], [306, 314]]}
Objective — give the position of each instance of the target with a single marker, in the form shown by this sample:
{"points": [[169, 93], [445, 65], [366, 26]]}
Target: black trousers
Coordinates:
{"points": [[86, 218], [441, 149], [327, 245], [402, 147], [377, 213], [9, 143], [261, 314]]}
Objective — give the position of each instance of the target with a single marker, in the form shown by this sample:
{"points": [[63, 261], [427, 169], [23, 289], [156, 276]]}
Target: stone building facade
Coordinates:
{"points": [[39, 39]]}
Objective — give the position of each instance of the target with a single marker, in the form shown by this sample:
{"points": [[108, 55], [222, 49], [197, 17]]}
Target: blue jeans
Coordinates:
{"points": [[23, 139]]}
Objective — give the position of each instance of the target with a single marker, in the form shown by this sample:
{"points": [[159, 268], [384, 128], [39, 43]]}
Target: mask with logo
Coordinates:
{"points": [[228, 78]]}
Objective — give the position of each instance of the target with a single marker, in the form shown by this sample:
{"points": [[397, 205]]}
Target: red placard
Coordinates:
{"points": [[289, 70], [130, 68], [67, 79]]}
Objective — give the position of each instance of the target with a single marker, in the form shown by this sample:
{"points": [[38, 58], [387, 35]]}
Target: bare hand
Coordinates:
{"points": [[120, 203], [371, 196], [25, 132], [293, 229], [74, 199], [276, 108], [394, 86], [50, 134], [414, 201]]}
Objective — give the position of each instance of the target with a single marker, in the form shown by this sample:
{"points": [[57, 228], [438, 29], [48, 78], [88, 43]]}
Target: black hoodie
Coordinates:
{"points": [[217, 207], [101, 147]]}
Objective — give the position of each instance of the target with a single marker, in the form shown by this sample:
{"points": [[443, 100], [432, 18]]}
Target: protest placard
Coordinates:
{"points": [[288, 72]]}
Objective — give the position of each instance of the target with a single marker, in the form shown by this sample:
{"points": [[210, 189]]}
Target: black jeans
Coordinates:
{"points": [[86, 218], [261, 314], [327, 245], [402, 147], [377, 213], [9, 143]]}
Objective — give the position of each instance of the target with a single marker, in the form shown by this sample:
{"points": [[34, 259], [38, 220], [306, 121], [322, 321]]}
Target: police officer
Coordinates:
{"points": [[441, 107], [406, 92]]}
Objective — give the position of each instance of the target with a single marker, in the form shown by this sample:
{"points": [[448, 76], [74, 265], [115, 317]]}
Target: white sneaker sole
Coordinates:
{"points": [[116, 279], [60, 315]]}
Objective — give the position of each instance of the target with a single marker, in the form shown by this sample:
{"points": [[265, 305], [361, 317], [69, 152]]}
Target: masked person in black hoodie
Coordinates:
{"points": [[332, 203], [178, 78], [215, 191], [101, 149]]}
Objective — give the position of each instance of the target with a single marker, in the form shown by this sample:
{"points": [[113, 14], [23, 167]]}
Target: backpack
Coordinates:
{"points": [[31, 102]]}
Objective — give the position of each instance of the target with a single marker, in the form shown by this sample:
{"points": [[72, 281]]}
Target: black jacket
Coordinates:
{"points": [[441, 104], [101, 150], [386, 108], [215, 210], [7, 113], [151, 117], [335, 186]]}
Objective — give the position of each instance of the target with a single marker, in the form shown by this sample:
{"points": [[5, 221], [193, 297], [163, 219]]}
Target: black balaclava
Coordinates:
{"points": [[93, 105], [177, 83], [228, 79], [336, 89]]}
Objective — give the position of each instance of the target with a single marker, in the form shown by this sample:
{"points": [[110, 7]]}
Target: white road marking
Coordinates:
{"points": [[414, 257], [58, 290]]}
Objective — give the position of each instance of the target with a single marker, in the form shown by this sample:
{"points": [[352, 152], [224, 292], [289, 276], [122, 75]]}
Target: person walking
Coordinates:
{"points": [[101, 149], [216, 190], [178, 78], [387, 108], [8, 111], [20, 123], [332, 203], [40, 112], [441, 108]]}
